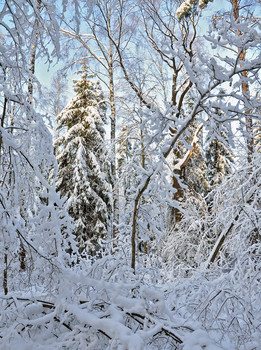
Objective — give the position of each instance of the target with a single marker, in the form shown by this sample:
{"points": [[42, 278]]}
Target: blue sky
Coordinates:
{"points": [[44, 73]]}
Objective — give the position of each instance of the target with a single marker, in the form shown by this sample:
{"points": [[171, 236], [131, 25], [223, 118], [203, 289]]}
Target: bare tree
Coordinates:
{"points": [[54, 98], [175, 42], [107, 27]]}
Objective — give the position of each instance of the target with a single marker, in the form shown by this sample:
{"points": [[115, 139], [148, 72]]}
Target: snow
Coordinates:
{"points": [[196, 284], [199, 340], [123, 336]]}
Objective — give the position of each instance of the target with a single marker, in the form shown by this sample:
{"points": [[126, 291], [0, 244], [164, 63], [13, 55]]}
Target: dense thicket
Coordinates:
{"points": [[180, 264]]}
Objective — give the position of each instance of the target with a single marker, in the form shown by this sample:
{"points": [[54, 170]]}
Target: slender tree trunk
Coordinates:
{"points": [[245, 89], [22, 252], [22, 256], [134, 222], [4, 112], [255, 238], [5, 286], [176, 214], [143, 162], [2, 122], [174, 88], [33, 54], [133, 235], [115, 213], [32, 70]]}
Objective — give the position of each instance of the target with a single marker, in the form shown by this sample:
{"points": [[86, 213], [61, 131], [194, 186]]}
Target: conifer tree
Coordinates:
{"points": [[219, 157], [194, 174], [82, 163], [189, 167]]}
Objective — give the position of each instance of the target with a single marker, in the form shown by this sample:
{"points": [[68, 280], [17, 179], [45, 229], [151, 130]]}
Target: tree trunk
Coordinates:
{"points": [[2, 122], [22, 252], [5, 275], [134, 223], [245, 89], [115, 213], [176, 215], [33, 54]]}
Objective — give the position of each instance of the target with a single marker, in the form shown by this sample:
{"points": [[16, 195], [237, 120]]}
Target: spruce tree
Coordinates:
{"points": [[82, 163], [194, 174], [189, 166], [219, 157]]}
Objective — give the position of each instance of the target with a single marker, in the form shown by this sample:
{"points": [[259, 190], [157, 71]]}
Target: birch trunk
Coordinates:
{"points": [[245, 90]]}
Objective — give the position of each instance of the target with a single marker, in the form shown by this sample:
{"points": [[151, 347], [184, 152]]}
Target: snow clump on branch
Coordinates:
{"points": [[185, 7]]}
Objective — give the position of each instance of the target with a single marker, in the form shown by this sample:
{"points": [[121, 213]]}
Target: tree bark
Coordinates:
{"points": [[5, 286], [245, 90], [134, 222], [115, 213], [2, 122], [33, 54]]}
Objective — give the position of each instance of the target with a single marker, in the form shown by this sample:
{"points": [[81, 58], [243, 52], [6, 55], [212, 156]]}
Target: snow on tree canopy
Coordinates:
{"points": [[82, 163]]}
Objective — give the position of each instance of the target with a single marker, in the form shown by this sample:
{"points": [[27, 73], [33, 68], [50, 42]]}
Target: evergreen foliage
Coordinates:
{"points": [[82, 163], [190, 178], [194, 286], [219, 156], [194, 175]]}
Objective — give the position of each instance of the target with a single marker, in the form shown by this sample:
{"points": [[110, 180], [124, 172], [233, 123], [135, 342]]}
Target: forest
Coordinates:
{"points": [[130, 202]]}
